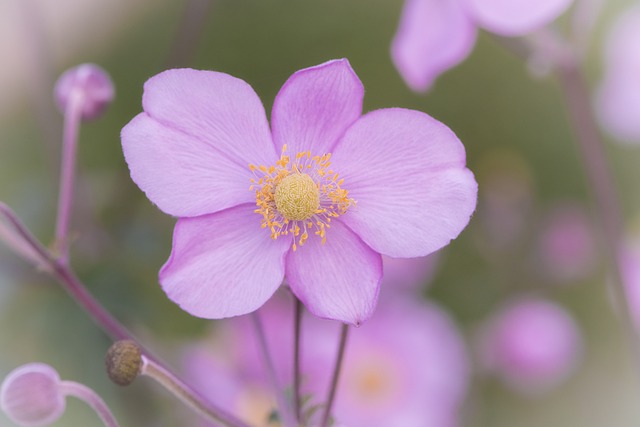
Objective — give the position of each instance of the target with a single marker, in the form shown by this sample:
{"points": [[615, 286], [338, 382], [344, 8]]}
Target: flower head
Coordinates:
{"points": [[318, 197], [532, 344], [89, 85], [31, 395]]}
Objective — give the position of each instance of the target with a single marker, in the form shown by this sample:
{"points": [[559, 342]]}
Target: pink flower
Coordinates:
{"points": [[567, 249], [436, 35], [532, 344], [317, 198], [406, 367]]}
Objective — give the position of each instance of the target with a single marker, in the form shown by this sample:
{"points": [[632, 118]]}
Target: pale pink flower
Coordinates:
{"points": [[317, 198], [532, 344], [436, 35], [567, 249]]}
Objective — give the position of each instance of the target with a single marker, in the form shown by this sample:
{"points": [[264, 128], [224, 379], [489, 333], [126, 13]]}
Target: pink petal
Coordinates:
{"points": [[338, 280], [516, 17], [433, 37], [223, 264], [210, 127], [406, 171], [315, 106], [182, 174]]}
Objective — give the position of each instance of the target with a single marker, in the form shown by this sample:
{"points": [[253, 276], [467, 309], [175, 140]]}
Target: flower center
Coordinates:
{"points": [[299, 196]]}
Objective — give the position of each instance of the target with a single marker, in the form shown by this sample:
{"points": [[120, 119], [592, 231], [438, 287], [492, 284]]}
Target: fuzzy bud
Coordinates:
{"points": [[124, 362], [31, 395], [89, 82]]}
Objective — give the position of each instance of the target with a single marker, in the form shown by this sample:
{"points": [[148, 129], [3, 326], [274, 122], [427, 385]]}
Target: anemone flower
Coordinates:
{"points": [[318, 197]]}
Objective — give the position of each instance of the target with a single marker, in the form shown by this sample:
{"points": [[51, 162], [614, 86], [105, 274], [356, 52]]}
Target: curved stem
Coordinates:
{"points": [[601, 182], [344, 332], [82, 392], [188, 396], [297, 324], [283, 403], [72, 117]]}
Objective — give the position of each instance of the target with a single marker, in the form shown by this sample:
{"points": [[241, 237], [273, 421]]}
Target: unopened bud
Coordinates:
{"points": [[124, 362], [91, 84], [31, 395]]}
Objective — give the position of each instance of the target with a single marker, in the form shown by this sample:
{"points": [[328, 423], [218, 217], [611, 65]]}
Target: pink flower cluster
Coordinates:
{"points": [[406, 367]]}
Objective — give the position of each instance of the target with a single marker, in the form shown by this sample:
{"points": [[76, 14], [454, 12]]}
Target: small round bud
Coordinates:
{"points": [[89, 82], [31, 395], [124, 362]]}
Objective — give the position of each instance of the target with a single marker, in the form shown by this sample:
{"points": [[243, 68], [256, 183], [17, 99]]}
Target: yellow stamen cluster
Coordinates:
{"points": [[299, 196]]}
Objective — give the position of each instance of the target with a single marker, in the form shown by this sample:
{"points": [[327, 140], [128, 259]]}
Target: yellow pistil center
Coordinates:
{"points": [[297, 197]]}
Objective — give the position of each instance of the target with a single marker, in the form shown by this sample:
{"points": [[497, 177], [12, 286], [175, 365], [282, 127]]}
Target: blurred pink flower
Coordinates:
{"points": [[406, 367], [567, 249], [618, 97], [90, 85], [532, 344], [202, 150], [436, 35]]}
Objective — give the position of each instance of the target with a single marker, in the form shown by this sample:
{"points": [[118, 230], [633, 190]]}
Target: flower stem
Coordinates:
{"points": [[74, 287], [285, 410], [297, 324], [344, 332], [187, 395], [72, 116], [84, 393], [190, 31], [601, 182]]}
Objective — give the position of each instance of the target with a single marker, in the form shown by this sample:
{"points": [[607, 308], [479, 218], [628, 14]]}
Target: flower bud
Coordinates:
{"points": [[124, 362], [31, 395], [89, 82]]}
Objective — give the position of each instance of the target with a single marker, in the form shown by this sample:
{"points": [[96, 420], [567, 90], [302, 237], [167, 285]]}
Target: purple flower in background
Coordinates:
{"points": [[532, 344], [409, 274], [318, 197], [436, 35], [407, 366], [567, 249], [618, 97]]}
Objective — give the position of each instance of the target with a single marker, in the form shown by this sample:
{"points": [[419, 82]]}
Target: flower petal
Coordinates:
{"points": [[315, 106], [182, 174], [216, 108], [515, 17], [433, 37], [406, 171], [339, 280], [223, 264]]}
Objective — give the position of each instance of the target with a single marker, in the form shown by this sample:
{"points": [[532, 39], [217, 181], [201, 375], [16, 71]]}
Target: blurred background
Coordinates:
{"points": [[535, 231]]}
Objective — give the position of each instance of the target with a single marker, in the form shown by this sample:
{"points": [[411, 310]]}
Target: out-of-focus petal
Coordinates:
{"points": [[339, 280], [433, 37], [406, 171], [182, 174], [618, 96], [223, 264], [515, 17], [315, 106]]}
